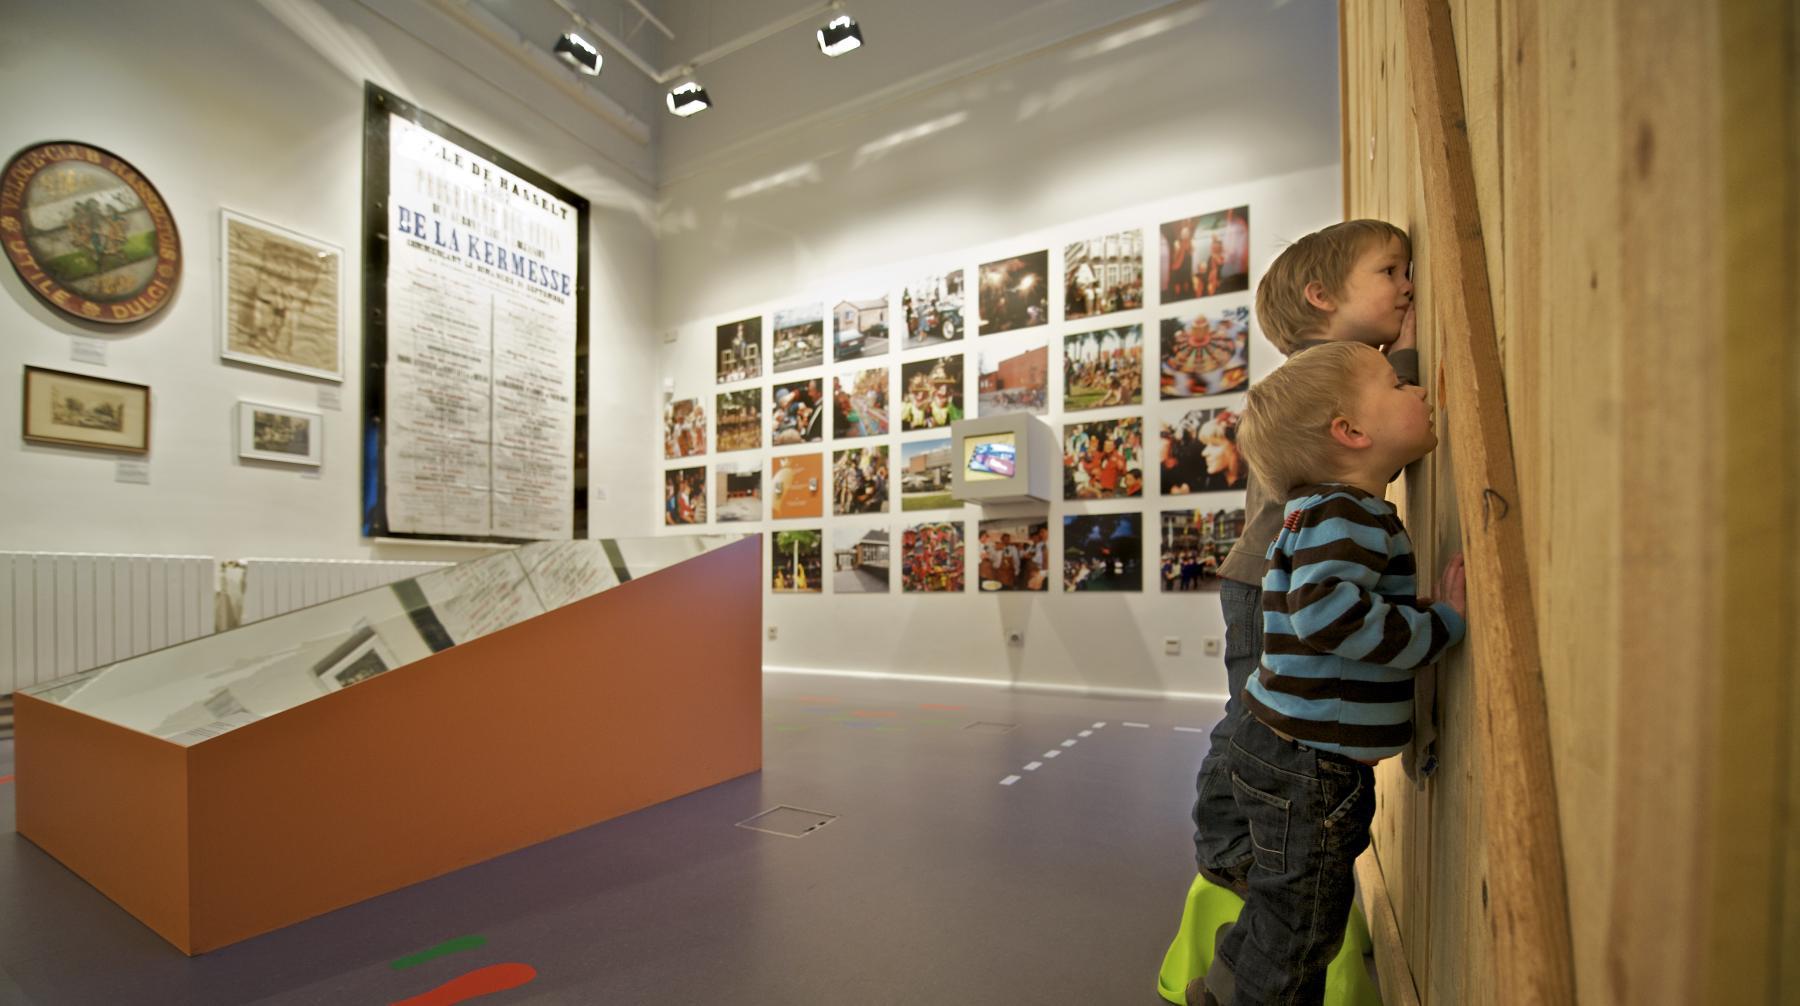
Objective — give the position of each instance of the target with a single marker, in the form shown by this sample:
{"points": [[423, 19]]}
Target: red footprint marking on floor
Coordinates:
{"points": [[871, 714], [493, 978]]}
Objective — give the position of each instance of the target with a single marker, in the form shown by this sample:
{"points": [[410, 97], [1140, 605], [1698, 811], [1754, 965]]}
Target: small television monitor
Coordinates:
{"points": [[990, 457]]}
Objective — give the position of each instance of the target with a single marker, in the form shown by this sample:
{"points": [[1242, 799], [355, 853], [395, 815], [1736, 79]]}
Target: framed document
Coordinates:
{"points": [[283, 298], [272, 433], [475, 312], [75, 410]]}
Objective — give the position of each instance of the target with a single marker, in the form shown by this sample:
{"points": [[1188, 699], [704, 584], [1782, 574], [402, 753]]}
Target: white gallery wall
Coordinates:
{"points": [[259, 107], [1184, 110]]}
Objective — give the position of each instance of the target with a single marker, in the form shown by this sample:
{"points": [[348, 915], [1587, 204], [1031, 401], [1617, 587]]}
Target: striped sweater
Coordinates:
{"points": [[1343, 632]]}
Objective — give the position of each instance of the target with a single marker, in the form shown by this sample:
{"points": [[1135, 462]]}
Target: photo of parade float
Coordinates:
{"points": [[1014, 380], [859, 407], [684, 429], [684, 496], [1204, 355], [1104, 459], [1103, 275], [737, 488], [933, 390], [1206, 255], [1103, 552], [859, 560], [933, 306], [1200, 453], [859, 481], [740, 420], [931, 558], [1194, 546], [740, 350], [797, 415], [794, 566], [1014, 554], [1015, 293], [1104, 368]]}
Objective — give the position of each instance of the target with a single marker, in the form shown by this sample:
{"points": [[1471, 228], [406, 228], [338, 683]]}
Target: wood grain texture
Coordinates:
{"points": [[1398, 988]]}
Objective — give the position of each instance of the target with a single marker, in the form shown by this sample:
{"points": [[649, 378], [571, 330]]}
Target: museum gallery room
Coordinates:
{"points": [[666, 501]]}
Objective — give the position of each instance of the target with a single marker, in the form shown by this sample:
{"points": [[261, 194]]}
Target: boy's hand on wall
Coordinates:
{"points": [[1450, 586], [1409, 332]]}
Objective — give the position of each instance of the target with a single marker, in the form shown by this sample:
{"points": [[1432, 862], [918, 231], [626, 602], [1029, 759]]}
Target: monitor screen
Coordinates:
{"points": [[989, 457]]}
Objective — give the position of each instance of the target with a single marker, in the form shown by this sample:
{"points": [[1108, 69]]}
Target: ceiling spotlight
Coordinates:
{"points": [[688, 99], [575, 51], [839, 36]]}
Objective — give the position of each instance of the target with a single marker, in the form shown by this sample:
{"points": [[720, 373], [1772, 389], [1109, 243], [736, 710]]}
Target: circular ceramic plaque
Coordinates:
{"points": [[88, 233]]}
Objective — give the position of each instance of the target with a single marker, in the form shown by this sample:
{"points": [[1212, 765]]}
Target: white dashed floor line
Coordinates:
{"points": [[1140, 726], [1009, 780], [1191, 730], [1033, 766]]}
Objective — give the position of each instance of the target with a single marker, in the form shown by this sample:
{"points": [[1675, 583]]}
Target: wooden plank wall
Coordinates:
{"points": [[1639, 217]]}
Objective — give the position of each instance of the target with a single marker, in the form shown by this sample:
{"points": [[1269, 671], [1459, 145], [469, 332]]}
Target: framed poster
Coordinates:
{"points": [[75, 410], [88, 233], [272, 433], [475, 306], [282, 298]]}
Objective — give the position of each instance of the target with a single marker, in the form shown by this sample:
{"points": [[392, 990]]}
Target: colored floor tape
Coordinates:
{"points": [[494, 978], [442, 949]]}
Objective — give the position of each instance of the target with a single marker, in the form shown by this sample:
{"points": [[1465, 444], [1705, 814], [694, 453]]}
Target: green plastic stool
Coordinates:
{"points": [[1210, 906]]}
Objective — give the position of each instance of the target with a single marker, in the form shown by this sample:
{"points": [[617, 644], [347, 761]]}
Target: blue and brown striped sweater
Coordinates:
{"points": [[1343, 629]]}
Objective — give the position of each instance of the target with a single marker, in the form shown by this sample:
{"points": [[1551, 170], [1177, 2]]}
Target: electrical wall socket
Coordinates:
{"points": [[1213, 646], [773, 632], [1015, 637], [1172, 646]]}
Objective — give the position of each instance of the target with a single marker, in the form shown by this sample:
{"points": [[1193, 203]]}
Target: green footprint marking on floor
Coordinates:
{"points": [[441, 950]]}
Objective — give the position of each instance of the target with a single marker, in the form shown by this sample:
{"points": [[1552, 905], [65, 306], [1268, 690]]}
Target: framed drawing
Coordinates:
{"points": [[283, 298], [272, 433], [88, 233], [79, 411]]}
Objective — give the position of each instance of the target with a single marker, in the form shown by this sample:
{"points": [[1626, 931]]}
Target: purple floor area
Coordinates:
{"points": [[937, 882]]}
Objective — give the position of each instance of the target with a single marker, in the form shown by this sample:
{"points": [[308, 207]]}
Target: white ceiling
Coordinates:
{"points": [[783, 83]]}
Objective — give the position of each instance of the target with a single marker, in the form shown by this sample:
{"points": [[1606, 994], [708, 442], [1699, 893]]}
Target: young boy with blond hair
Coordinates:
{"points": [[1346, 283], [1345, 633]]}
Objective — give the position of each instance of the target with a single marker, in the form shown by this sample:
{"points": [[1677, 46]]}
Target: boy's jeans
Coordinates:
{"points": [[1221, 836], [1309, 814]]}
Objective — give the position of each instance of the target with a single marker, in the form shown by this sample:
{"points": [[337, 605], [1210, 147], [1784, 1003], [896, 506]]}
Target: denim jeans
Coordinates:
{"points": [[1221, 836], [1309, 814]]}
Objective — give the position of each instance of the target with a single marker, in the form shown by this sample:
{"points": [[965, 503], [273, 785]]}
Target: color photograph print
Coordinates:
{"points": [[1206, 255], [1103, 460], [859, 481], [1206, 355], [859, 404], [740, 350], [797, 413], [1194, 546], [737, 489], [684, 496], [797, 486], [684, 428], [1015, 293], [1014, 554], [1015, 380], [794, 566], [1103, 369], [1200, 454], [740, 420], [931, 393], [1103, 275], [1103, 552], [799, 337], [931, 558], [925, 475], [282, 299], [933, 306], [859, 560], [859, 328]]}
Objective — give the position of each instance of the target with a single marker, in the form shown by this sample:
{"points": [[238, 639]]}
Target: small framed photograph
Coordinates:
{"points": [[272, 433], [283, 298], [79, 411]]}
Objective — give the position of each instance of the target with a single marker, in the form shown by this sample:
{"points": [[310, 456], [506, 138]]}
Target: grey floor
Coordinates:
{"points": [[935, 883]]}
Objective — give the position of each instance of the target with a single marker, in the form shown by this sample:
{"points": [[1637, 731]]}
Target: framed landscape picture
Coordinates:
{"points": [[79, 411], [272, 433], [283, 298]]}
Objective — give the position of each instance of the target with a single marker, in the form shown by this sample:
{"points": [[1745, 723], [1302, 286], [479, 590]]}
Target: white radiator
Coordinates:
{"points": [[255, 589], [65, 612]]}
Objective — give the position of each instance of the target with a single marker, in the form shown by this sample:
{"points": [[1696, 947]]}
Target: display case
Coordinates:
{"points": [[1008, 458], [245, 781]]}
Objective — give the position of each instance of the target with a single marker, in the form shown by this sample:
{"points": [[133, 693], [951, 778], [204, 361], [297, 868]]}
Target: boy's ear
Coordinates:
{"points": [[1345, 432], [1319, 297]]}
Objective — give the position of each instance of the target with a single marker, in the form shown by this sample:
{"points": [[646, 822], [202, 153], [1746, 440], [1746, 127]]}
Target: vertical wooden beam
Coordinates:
{"points": [[1526, 895]]}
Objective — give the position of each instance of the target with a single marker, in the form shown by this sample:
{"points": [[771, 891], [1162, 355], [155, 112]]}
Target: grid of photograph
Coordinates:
{"points": [[1206, 255], [1205, 354], [1103, 369]]}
